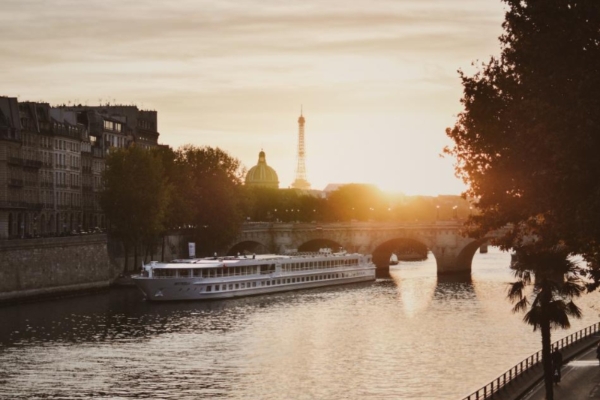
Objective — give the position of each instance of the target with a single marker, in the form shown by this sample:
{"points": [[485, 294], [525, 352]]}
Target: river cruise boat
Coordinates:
{"points": [[226, 277]]}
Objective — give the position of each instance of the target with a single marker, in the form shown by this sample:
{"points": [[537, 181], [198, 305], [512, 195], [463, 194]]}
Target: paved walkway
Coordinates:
{"points": [[580, 380], [581, 375]]}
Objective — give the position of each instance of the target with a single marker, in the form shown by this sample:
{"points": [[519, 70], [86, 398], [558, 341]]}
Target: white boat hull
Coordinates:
{"points": [[157, 289]]}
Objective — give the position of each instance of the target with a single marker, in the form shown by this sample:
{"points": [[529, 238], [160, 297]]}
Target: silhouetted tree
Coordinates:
{"points": [[207, 183], [135, 197], [357, 201], [527, 141]]}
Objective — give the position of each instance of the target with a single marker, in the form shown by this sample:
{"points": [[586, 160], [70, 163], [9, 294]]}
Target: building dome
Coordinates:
{"points": [[262, 175]]}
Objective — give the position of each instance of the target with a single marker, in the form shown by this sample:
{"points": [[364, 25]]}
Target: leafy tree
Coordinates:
{"points": [[527, 139], [135, 197], [556, 281], [176, 213], [208, 183], [357, 201]]}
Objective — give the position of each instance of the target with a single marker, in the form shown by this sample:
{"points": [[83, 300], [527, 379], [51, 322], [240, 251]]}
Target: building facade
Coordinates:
{"points": [[51, 163]]}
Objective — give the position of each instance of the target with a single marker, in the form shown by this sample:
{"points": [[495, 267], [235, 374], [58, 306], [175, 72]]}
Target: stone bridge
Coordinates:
{"points": [[452, 251]]}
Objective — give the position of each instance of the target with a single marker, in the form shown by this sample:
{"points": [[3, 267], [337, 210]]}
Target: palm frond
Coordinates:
{"points": [[533, 317], [520, 305], [572, 288], [573, 310], [515, 291]]}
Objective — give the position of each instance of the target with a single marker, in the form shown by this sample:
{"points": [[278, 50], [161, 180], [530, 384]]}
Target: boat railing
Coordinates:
{"points": [[487, 391]]}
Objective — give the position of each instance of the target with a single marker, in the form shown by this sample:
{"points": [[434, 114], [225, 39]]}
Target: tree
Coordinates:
{"points": [[208, 184], [135, 197], [556, 281], [526, 142], [357, 201]]}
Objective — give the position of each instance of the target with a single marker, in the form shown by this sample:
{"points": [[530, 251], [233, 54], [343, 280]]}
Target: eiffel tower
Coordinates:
{"points": [[301, 182]]}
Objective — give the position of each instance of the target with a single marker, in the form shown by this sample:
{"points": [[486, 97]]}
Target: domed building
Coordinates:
{"points": [[262, 175]]}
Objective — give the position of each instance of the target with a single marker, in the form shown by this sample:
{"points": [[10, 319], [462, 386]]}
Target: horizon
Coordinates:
{"points": [[377, 81]]}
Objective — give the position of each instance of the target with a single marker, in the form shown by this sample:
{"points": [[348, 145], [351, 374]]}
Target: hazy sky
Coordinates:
{"points": [[377, 78]]}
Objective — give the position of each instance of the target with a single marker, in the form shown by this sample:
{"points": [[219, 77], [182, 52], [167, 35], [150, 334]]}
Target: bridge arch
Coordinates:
{"points": [[383, 249], [319, 243], [248, 247], [465, 257]]}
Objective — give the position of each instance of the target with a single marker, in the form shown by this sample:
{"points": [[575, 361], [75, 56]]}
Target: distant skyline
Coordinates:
{"points": [[377, 78]]}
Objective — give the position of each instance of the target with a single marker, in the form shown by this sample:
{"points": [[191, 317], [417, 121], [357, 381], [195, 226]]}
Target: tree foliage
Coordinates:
{"points": [[527, 140], [135, 196], [526, 145], [207, 182]]}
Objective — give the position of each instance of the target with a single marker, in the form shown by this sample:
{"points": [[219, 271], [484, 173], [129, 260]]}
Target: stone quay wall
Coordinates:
{"points": [[45, 267]]}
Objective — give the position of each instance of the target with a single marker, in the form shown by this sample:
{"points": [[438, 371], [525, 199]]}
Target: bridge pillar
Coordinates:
{"points": [[450, 261]]}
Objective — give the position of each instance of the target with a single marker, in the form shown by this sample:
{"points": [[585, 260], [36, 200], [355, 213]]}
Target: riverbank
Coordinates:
{"points": [[33, 269]]}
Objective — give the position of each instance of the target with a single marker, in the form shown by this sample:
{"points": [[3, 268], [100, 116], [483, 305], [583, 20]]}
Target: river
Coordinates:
{"points": [[410, 337]]}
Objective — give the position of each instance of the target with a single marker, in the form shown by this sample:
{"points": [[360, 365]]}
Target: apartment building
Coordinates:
{"points": [[51, 163]]}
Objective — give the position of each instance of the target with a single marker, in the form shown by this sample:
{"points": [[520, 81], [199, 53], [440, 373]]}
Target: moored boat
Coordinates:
{"points": [[226, 277]]}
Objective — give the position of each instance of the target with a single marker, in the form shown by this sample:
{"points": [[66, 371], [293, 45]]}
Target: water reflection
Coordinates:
{"points": [[415, 287], [415, 336]]}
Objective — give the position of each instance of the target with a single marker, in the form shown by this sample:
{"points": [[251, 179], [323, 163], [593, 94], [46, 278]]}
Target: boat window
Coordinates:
{"points": [[237, 285], [164, 273], [253, 284], [209, 288], [217, 288], [268, 283], [264, 269]]}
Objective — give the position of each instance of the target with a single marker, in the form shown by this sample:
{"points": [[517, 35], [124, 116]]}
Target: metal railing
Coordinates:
{"points": [[487, 391]]}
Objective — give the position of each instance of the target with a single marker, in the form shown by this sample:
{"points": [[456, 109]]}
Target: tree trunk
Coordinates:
{"points": [[547, 360], [126, 251], [135, 255], [546, 340], [162, 257]]}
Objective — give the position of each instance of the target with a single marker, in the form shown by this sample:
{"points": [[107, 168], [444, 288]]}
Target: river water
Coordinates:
{"points": [[410, 337]]}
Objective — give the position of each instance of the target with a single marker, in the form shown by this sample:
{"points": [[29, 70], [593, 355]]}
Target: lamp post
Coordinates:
{"points": [[455, 212], [437, 215]]}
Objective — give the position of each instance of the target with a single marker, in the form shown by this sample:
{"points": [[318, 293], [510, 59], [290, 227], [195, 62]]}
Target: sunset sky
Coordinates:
{"points": [[377, 78]]}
